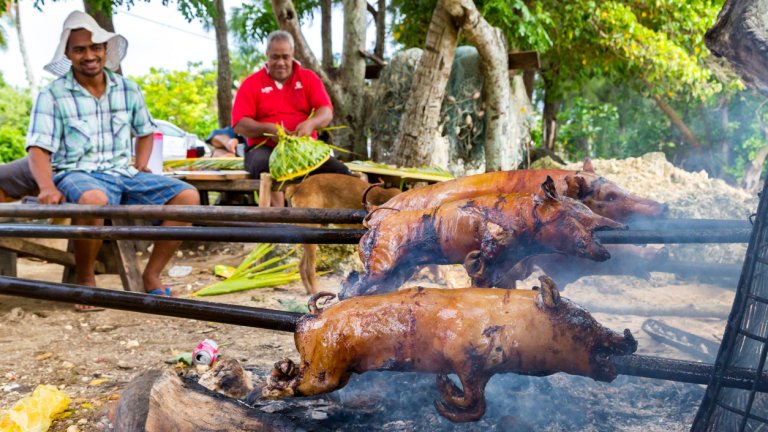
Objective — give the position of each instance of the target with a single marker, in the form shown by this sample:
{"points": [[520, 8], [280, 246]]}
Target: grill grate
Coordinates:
{"points": [[745, 343]]}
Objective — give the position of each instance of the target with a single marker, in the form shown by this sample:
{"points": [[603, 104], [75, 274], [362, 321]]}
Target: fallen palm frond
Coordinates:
{"points": [[252, 274], [202, 164]]}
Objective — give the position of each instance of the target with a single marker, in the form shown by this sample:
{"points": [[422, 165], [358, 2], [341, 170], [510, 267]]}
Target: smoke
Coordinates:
{"points": [[395, 401]]}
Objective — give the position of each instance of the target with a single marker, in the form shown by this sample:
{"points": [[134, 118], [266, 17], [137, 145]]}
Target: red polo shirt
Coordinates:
{"points": [[261, 99]]}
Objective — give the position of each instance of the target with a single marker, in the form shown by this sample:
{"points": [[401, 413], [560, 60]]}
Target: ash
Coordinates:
{"points": [[393, 401]]}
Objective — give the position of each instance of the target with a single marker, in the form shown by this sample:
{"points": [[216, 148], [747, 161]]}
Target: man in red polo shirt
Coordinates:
{"points": [[281, 93]]}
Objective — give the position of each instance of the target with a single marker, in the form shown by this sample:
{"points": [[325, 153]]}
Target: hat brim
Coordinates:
{"points": [[117, 45]]}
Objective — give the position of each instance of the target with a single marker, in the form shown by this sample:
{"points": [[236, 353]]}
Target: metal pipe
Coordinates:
{"points": [[739, 235], [691, 224], [156, 305], [294, 234], [184, 213], [274, 234], [636, 365], [287, 215], [688, 371]]}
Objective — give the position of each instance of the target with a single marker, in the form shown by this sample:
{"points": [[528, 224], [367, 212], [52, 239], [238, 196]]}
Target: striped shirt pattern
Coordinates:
{"points": [[88, 134]]}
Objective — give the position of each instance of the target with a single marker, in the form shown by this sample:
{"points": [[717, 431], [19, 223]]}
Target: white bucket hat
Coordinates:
{"points": [[117, 45]]}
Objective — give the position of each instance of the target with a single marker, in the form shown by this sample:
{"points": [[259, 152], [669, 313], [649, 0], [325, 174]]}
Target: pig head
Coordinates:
{"points": [[607, 198], [473, 333]]}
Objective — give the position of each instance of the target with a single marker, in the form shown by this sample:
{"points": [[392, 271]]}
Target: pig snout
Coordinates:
{"points": [[625, 344], [616, 344]]}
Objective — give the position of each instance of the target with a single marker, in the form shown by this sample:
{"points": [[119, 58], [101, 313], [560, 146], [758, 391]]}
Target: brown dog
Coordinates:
{"points": [[330, 191]]}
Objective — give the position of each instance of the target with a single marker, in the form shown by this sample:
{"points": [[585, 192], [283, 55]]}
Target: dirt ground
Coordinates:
{"points": [[92, 356]]}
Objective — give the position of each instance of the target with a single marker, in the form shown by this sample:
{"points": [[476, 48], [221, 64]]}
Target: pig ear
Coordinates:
{"points": [[549, 294], [548, 187], [577, 187], [588, 165]]}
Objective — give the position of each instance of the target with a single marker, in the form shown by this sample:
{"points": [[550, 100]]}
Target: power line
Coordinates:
{"points": [[168, 26]]}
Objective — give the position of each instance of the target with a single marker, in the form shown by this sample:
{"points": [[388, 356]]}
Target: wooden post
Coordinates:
{"points": [[8, 263], [265, 190], [127, 264]]}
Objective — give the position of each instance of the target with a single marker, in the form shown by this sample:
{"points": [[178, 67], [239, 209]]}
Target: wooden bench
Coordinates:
{"points": [[227, 181], [115, 257]]}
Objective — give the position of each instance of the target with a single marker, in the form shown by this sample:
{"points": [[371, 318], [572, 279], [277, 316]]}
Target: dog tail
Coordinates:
{"points": [[366, 205]]}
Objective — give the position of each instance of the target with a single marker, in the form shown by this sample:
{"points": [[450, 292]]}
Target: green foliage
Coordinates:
{"points": [[251, 23], [244, 62], [185, 98], [15, 106], [190, 9]]}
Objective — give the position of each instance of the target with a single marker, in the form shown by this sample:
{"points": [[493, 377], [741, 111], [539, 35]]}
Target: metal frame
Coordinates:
{"points": [[745, 343]]}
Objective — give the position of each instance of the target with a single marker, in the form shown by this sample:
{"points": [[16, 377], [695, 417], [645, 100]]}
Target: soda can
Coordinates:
{"points": [[205, 353]]}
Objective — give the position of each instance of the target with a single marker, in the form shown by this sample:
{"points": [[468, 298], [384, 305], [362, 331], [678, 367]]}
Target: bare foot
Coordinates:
{"points": [[89, 282]]}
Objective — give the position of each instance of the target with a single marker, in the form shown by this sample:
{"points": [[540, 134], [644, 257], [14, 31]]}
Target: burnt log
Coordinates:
{"points": [[740, 34], [163, 401]]}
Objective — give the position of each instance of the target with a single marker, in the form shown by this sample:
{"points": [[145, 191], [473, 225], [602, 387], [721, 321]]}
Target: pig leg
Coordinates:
{"points": [[462, 405], [280, 382], [307, 268]]}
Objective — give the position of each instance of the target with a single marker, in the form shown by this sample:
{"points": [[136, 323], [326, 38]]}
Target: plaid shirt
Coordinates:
{"points": [[88, 134]]}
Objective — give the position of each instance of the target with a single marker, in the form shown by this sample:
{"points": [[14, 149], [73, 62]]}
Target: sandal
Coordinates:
{"points": [[165, 292]]}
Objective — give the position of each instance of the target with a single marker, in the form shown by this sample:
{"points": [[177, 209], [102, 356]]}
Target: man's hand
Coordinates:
{"points": [[142, 168], [304, 128], [50, 195]]}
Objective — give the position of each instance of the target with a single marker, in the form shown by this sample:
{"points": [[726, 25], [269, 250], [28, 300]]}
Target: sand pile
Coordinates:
{"points": [[689, 195]]}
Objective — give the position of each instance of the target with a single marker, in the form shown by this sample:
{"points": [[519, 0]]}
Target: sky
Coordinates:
{"points": [[158, 36]]}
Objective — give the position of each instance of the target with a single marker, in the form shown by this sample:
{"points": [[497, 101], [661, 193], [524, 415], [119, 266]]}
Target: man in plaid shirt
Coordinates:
{"points": [[79, 142]]}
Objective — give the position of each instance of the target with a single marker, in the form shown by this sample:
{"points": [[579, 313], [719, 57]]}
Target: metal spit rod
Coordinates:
{"points": [[283, 233], [184, 213], [146, 303], [636, 365]]}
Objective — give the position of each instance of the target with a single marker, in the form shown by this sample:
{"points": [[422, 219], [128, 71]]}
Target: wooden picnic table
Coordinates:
{"points": [[241, 181]]}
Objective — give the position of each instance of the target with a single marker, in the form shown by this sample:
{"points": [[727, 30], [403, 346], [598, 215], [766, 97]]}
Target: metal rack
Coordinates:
{"points": [[745, 344]]}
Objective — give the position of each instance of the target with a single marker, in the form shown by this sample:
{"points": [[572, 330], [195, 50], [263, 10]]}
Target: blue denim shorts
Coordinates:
{"points": [[143, 188]]}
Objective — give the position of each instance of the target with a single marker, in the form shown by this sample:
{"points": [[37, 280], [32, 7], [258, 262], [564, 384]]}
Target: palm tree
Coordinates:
{"points": [[14, 16]]}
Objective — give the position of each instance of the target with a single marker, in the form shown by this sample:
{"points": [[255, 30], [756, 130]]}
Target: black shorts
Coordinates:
{"points": [[257, 162], [16, 178]]}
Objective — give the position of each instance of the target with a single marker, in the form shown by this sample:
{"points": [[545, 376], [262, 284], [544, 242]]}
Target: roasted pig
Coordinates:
{"points": [[488, 234], [602, 196], [473, 333]]}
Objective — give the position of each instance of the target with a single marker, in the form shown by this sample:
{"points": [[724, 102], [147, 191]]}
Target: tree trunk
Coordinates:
{"points": [[502, 151], [103, 19], [23, 49], [224, 70], [549, 118], [725, 145], [740, 34], [754, 169], [677, 122], [415, 140], [326, 11], [381, 28], [529, 78], [353, 76]]}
